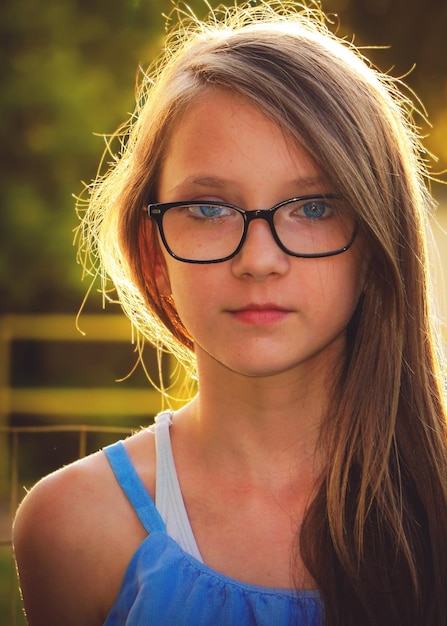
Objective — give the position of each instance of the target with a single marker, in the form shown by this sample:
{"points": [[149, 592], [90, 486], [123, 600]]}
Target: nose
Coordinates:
{"points": [[260, 255]]}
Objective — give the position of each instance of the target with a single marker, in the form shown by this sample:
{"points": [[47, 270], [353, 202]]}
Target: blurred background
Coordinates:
{"points": [[68, 70]]}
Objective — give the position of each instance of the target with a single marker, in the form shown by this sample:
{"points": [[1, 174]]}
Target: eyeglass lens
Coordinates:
{"points": [[210, 231]]}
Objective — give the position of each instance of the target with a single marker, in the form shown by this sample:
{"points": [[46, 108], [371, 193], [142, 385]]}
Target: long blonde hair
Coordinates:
{"points": [[375, 537]]}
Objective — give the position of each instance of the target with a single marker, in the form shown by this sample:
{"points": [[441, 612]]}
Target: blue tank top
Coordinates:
{"points": [[165, 586]]}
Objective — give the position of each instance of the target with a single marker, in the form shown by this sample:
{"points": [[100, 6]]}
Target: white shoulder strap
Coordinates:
{"points": [[168, 495]]}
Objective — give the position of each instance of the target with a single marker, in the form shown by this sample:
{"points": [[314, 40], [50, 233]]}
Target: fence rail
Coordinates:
{"points": [[45, 409], [72, 401], [11, 611]]}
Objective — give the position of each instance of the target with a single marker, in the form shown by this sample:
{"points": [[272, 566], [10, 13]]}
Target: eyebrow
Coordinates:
{"points": [[203, 181], [216, 182]]}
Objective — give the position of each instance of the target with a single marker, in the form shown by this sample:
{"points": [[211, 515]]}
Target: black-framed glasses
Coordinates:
{"points": [[212, 232]]}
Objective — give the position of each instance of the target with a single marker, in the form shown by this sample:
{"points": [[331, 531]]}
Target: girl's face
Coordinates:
{"points": [[262, 312]]}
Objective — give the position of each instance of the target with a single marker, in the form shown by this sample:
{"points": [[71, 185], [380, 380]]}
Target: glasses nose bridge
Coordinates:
{"points": [[260, 214]]}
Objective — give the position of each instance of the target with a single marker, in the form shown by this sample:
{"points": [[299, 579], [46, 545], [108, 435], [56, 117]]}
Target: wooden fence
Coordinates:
{"points": [[55, 413]]}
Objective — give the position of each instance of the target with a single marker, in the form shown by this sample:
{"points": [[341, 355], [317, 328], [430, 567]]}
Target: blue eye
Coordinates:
{"points": [[209, 211], [315, 209]]}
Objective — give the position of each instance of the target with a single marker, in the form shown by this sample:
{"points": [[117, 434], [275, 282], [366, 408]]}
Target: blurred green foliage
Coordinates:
{"points": [[68, 70], [10, 601]]}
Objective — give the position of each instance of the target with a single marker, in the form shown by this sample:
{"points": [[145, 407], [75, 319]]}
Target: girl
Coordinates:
{"points": [[266, 219]]}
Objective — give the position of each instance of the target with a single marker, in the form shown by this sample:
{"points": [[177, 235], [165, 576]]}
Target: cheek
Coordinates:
{"points": [[351, 288], [184, 284], [334, 288], [198, 296]]}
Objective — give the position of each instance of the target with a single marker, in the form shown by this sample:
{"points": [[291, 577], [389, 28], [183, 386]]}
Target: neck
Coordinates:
{"points": [[258, 425]]}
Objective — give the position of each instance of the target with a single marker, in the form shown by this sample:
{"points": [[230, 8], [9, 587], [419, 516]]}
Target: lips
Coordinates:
{"points": [[261, 314]]}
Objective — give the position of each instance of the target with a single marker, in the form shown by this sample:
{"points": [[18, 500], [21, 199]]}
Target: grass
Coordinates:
{"points": [[11, 611]]}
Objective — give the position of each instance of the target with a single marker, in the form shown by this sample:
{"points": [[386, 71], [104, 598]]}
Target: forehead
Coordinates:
{"points": [[223, 138]]}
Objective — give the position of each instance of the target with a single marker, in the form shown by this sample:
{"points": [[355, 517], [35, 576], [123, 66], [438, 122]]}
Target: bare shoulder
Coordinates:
{"points": [[74, 534]]}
